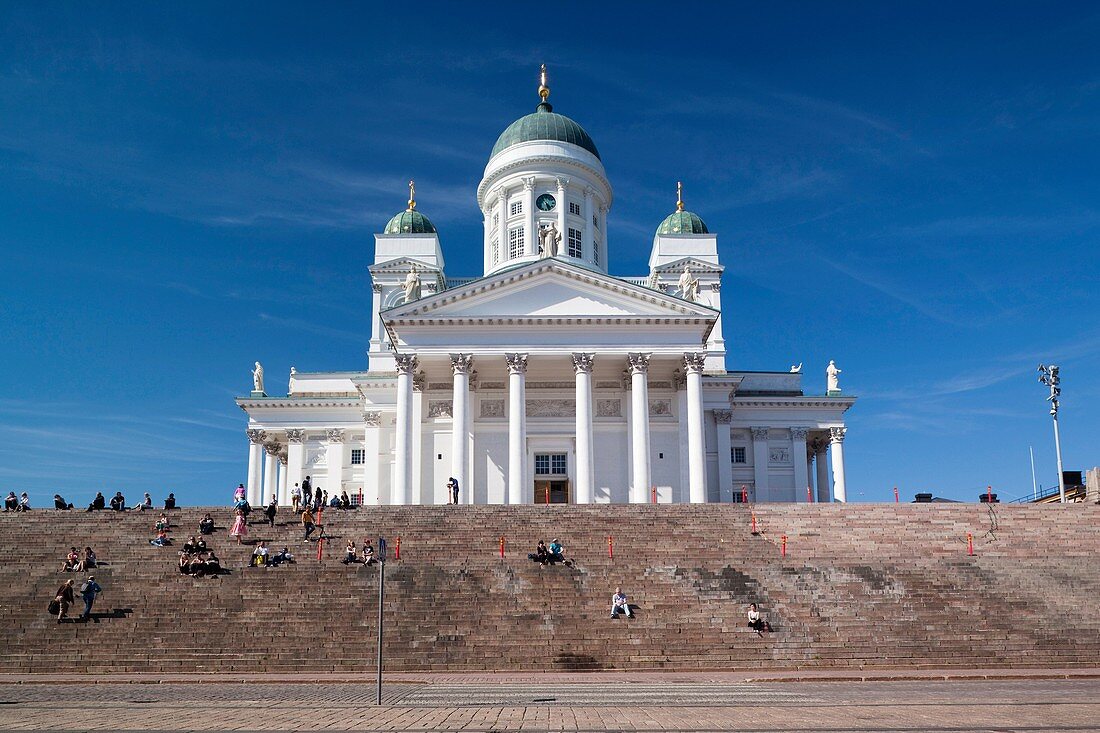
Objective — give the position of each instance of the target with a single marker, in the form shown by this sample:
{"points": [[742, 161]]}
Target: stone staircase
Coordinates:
{"points": [[861, 585]]}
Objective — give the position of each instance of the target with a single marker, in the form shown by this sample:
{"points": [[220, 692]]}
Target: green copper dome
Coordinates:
{"points": [[544, 124], [409, 221], [682, 222]]}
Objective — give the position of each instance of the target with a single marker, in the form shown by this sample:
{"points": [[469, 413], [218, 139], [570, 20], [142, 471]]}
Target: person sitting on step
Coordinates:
{"points": [[185, 563], [161, 539], [118, 502], [557, 553], [757, 622], [350, 554], [345, 501], [213, 565], [24, 502], [72, 560], [170, 502], [259, 555], [59, 503], [281, 556], [620, 604], [11, 503], [144, 504], [541, 555], [162, 523], [368, 553], [88, 562], [98, 503], [206, 524], [190, 547]]}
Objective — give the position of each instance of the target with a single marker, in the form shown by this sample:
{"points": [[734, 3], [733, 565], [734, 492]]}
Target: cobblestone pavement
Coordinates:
{"points": [[1020, 706]]}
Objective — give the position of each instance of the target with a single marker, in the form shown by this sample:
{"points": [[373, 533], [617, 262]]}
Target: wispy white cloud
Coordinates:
{"points": [[299, 324]]}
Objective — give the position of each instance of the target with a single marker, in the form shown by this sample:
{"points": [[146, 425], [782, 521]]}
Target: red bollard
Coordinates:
{"points": [[502, 547], [397, 550], [654, 492], [610, 548], [320, 547], [896, 499], [969, 544], [989, 494], [783, 546], [548, 493], [754, 523], [809, 495], [744, 495], [360, 496]]}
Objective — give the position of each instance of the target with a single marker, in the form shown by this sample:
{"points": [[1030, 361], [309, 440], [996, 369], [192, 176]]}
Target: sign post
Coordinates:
{"points": [[381, 595]]}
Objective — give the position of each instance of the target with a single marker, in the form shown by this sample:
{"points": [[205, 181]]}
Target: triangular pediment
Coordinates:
{"points": [[549, 289], [402, 265], [697, 266]]}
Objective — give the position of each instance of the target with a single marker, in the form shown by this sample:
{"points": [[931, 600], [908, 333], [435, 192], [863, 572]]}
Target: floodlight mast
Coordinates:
{"points": [[1049, 376]]}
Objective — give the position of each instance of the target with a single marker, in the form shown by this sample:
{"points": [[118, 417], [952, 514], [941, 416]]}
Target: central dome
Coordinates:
{"points": [[544, 124]]}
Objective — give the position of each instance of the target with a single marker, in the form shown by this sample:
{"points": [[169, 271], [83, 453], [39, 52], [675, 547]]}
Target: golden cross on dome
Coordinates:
{"points": [[679, 196], [544, 91], [412, 195]]}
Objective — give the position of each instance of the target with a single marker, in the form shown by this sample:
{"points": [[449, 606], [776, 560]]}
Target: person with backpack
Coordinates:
{"points": [[272, 510], [88, 591], [63, 599]]}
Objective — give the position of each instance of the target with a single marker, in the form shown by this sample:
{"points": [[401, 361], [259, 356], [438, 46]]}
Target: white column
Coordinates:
{"points": [[821, 460], [697, 455], [836, 448], [639, 426], [402, 467], [284, 495], [589, 240], [760, 463], [256, 440], [801, 470], [586, 473], [531, 232], [517, 427], [563, 206], [334, 457], [271, 484], [725, 455], [295, 457], [372, 438], [460, 417]]}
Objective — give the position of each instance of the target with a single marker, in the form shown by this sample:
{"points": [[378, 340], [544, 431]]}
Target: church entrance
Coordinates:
{"points": [[551, 478]]}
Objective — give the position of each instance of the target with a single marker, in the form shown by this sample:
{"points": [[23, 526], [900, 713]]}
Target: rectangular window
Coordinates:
{"points": [[515, 242], [596, 252], [594, 222], [358, 455], [575, 243], [550, 464], [574, 208], [496, 220], [496, 250], [739, 455], [515, 208]]}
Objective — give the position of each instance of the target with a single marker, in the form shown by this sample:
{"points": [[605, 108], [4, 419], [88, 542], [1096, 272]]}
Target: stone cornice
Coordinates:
{"points": [[284, 402], [843, 403], [523, 163]]}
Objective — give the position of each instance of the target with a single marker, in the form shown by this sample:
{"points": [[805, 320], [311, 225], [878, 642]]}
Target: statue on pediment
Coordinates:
{"points": [[258, 378], [831, 374], [549, 241], [412, 286], [689, 285]]}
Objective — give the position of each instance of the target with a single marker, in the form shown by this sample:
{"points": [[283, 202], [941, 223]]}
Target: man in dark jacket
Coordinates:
{"points": [[88, 591]]}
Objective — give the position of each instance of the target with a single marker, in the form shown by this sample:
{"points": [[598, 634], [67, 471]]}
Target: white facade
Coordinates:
{"points": [[547, 378]]}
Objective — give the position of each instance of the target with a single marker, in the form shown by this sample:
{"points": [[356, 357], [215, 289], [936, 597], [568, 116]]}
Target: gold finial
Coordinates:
{"points": [[412, 195], [544, 91], [679, 196]]}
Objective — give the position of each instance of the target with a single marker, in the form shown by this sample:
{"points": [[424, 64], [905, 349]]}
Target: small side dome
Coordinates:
{"points": [[410, 221], [680, 221]]}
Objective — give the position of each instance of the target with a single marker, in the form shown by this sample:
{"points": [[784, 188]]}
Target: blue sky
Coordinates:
{"points": [[186, 188]]}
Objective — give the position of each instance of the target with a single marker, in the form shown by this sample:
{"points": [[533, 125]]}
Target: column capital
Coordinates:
{"points": [[406, 363], [836, 435], [582, 363], [419, 382], [562, 182], [372, 419], [819, 445], [528, 183], [273, 449], [723, 417], [295, 435], [461, 363], [799, 433], [639, 363], [256, 437], [693, 362], [759, 433], [334, 435], [517, 363]]}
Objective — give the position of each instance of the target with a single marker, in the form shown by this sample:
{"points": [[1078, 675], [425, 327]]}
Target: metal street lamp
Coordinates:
{"points": [[1048, 375]]}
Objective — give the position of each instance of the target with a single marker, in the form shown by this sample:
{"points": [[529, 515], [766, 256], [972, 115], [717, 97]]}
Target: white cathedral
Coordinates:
{"points": [[547, 379]]}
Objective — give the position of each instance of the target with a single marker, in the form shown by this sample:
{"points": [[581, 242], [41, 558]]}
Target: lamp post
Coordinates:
{"points": [[1048, 375]]}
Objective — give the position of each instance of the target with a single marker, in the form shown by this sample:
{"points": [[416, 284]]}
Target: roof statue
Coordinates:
{"points": [[831, 373], [689, 285], [258, 378], [412, 286], [549, 241], [796, 368]]}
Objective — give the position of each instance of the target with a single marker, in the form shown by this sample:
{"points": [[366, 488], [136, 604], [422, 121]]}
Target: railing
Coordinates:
{"points": [[643, 281], [1072, 492]]}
